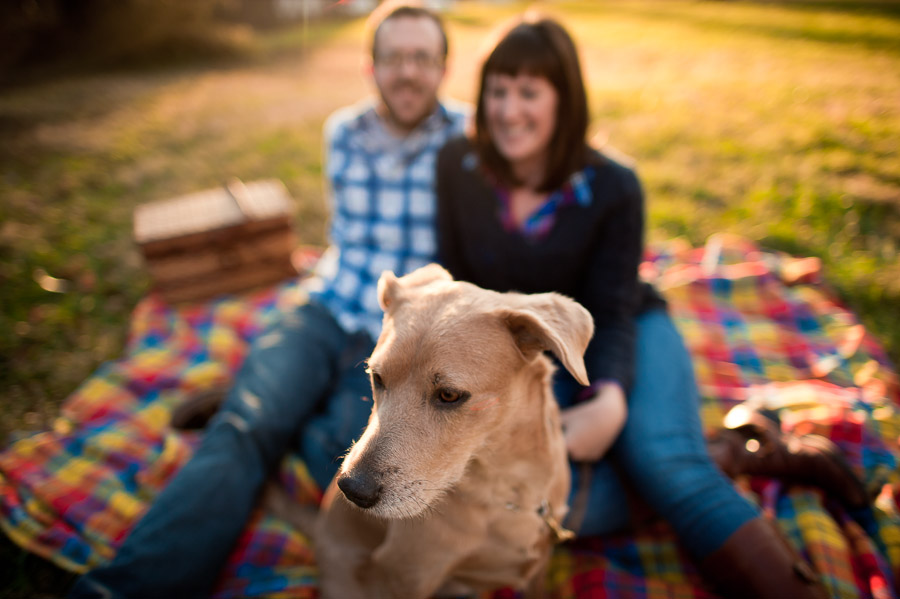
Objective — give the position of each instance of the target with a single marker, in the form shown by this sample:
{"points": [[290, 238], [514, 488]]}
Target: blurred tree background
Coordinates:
{"points": [[80, 33]]}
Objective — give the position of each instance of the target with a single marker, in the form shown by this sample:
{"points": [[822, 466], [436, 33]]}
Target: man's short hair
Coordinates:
{"points": [[395, 10]]}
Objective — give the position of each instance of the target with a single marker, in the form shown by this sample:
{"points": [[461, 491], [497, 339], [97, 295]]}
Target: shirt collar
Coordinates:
{"points": [[578, 184], [374, 135]]}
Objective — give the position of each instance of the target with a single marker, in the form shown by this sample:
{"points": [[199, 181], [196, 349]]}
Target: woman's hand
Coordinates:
{"points": [[591, 427]]}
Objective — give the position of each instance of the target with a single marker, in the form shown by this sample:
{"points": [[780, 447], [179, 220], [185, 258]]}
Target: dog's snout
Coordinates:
{"points": [[360, 487]]}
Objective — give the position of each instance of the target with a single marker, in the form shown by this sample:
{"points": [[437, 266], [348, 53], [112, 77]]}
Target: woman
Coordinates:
{"points": [[524, 204]]}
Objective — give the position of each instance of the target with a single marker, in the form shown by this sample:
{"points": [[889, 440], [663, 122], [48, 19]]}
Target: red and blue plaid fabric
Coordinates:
{"points": [[762, 328]]}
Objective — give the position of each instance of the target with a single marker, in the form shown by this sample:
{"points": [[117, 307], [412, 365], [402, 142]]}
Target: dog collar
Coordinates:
{"points": [[560, 533]]}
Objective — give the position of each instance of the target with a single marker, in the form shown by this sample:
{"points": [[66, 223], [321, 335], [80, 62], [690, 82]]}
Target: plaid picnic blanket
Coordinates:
{"points": [[762, 328]]}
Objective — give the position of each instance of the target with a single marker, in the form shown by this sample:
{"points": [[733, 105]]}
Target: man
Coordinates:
{"points": [[303, 378]]}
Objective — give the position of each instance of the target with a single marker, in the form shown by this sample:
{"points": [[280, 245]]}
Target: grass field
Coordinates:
{"points": [[778, 121]]}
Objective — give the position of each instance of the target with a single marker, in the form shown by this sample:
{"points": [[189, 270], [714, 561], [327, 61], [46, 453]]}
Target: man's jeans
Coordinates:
{"points": [[304, 371], [661, 451]]}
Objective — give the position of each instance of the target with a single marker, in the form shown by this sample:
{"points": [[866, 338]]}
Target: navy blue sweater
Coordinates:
{"points": [[591, 253]]}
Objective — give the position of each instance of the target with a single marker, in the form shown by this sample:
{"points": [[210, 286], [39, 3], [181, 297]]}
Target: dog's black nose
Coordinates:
{"points": [[360, 487]]}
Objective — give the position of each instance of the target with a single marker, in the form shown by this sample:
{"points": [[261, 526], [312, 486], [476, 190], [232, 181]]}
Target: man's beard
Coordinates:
{"points": [[397, 117]]}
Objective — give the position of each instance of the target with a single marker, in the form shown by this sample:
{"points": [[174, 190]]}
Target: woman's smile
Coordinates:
{"points": [[521, 118]]}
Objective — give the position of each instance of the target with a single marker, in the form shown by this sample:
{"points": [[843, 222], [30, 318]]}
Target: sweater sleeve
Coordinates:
{"points": [[449, 235], [611, 290]]}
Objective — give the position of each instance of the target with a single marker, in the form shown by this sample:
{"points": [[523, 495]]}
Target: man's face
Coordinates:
{"points": [[408, 69]]}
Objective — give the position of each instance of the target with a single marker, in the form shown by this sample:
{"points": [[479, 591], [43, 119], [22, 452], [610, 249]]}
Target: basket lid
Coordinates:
{"points": [[212, 209]]}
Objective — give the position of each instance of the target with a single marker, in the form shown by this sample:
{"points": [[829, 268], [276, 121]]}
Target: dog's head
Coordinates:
{"points": [[452, 363]]}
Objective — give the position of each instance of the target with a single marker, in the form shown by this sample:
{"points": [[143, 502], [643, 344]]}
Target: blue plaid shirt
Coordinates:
{"points": [[383, 207]]}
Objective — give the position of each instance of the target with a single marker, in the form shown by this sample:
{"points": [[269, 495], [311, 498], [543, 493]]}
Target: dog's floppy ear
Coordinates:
{"points": [[390, 287], [549, 321]]}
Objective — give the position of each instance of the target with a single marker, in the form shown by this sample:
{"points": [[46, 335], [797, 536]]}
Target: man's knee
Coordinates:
{"points": [[251, 425]]}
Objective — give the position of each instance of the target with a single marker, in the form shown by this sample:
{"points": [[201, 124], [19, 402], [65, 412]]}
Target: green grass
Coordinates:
{"points": [[776, 121], [81, 151]]}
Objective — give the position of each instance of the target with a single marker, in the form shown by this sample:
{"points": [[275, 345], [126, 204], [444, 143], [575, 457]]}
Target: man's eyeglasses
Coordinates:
{"points": [[421, 60]]}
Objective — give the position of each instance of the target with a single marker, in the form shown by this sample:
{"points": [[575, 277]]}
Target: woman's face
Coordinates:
{"points": [[520, 113]]}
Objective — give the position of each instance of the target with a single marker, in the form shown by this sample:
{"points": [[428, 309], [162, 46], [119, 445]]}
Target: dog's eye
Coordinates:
{"points": [[449, 398], [376, 380], [448, 395]]}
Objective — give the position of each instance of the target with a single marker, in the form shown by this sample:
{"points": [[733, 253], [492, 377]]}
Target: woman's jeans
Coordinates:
{"points": [[661, 452], [303, 370], [300, 388]]}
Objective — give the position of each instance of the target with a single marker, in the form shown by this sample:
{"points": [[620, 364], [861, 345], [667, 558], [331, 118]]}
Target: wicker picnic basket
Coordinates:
{"points": [[225, 240]]}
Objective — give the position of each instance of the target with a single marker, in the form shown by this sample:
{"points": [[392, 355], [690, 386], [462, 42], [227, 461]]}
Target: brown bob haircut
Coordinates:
{"points": [[540, 47]]}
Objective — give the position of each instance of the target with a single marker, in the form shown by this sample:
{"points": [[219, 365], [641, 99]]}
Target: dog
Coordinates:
{"points": [[459, 482]]}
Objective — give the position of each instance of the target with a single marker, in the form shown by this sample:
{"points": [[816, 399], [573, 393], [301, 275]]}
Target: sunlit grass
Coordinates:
{"points": [[81, 152], [777, 122]]}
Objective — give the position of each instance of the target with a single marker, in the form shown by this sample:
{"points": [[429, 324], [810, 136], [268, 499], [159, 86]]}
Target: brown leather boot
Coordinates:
{"points": [[758, 562], [755, 446]]}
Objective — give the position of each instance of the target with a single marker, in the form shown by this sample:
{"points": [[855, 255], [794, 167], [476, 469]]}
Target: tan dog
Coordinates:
{"points": [[460, 480]]}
